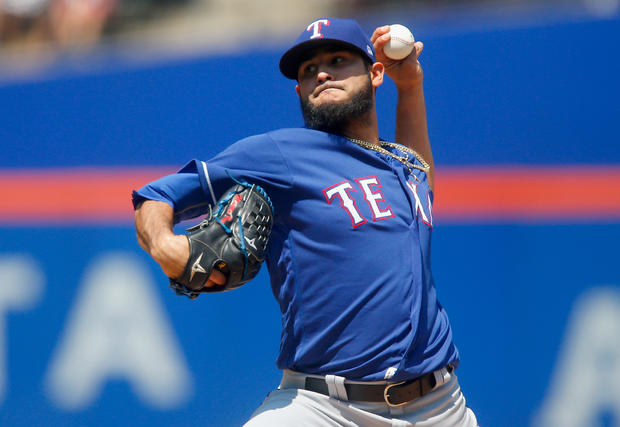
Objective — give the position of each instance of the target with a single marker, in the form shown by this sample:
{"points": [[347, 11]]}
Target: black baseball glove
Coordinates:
{"points": [[232, 239]]}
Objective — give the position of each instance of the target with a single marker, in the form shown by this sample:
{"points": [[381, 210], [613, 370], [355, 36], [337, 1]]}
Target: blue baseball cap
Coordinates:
{"points": [[326, 32]]}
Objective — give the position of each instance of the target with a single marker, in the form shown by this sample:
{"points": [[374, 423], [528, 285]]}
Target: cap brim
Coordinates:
{"points": [[292, 58]]}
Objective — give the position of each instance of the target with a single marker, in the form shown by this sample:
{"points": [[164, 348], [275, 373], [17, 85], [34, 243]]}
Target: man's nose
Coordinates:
{"points": [[323, 76]]}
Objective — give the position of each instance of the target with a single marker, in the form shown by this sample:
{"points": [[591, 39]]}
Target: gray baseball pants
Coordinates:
{"points": [[291, 405]]}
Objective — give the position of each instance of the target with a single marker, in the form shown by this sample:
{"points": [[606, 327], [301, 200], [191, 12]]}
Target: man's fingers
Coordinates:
{"points": [[380, 31], [217, 278], [419, 47]]}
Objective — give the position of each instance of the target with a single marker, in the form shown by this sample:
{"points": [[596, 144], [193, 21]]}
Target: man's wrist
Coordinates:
{"points": [[171, 252], [410, 87]]}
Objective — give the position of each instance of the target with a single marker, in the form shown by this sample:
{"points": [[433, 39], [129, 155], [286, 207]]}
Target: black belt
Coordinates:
{"points": [[394, 394]]}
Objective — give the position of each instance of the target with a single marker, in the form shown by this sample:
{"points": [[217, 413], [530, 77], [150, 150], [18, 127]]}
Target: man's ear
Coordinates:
{"points": [[297, 90], [376, 74]]}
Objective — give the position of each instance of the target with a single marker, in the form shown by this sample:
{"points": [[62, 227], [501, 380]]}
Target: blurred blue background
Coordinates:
{"points": [[91, 335]]}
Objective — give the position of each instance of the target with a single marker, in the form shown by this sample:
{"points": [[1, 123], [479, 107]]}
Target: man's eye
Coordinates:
{"points": [[310, 68], [337, 60]]}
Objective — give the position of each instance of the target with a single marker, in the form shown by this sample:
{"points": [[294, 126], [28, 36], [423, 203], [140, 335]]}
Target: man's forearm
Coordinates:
{"points": [[154, 221], [411, 126]]}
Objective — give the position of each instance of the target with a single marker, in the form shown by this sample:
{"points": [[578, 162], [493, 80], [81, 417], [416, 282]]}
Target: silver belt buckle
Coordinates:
{"points": [[386, 395]]}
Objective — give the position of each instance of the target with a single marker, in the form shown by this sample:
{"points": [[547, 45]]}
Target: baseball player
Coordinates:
{"points": [[364, 340]]}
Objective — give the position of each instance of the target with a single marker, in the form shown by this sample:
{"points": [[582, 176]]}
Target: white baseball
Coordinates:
{"points": [[400, 44]]}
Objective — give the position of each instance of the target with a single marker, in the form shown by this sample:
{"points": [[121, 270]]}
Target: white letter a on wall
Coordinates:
{"points": [[117, 329], [586, 381]]}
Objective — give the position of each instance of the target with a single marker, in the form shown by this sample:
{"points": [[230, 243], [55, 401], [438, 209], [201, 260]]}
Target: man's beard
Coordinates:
{"points": [[334, 117]]}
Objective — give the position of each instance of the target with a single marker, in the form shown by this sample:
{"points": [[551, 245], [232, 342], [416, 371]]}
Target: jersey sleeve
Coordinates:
{"points": [[183, 191], [257, 160], [198, 184]]}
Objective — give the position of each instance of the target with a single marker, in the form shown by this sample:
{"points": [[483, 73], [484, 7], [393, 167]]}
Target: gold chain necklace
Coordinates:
{"points": [[403, 159]]}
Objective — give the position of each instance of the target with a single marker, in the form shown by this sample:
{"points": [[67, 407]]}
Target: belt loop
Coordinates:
{"points": [[442, 376], [335, 386]]}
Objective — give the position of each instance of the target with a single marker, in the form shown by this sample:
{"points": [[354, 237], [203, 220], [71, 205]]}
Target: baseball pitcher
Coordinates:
{"points": [[343, 221]]}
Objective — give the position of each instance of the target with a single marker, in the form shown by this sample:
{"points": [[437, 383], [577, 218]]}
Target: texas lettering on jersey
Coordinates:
{"points": [[420, 207], [371, 191]]}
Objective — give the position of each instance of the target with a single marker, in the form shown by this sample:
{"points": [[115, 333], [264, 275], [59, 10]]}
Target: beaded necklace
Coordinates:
{"points": [[379, 148]]}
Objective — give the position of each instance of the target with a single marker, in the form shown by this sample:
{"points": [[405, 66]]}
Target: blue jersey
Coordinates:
{"points": [[349, 255]]}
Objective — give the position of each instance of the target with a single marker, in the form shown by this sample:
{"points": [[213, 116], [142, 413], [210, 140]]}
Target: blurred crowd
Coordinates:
{"points": [[70, 23], [61, 22]]}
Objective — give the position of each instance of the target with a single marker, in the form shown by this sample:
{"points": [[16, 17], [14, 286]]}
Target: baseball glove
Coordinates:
{"points": [[233, 239]]}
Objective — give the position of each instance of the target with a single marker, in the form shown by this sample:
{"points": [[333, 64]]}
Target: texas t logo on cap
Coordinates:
{"points": [[315, 27]]}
